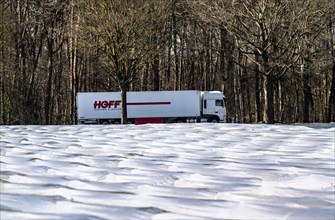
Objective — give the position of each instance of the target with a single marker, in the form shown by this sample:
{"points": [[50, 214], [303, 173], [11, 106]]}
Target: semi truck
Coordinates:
{"points": [[152, 107]]}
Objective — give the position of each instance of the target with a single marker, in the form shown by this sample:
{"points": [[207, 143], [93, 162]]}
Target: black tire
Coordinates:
{"points": [[180, 120], [214, 120]]}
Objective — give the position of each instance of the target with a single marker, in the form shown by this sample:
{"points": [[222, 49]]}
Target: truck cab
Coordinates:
{"points": [[213, 106]]}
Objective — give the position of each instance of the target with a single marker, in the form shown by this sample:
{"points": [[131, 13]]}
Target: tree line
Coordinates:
{"points": [[273, 59]]}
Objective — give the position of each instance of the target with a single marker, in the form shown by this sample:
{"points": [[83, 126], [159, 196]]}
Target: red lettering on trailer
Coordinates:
{"points": [[97, 104], [106, 104]]}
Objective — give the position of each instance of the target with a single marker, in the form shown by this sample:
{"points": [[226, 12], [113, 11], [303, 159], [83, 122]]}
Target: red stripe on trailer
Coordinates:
{"points": [[148, 103], [141, 121]]}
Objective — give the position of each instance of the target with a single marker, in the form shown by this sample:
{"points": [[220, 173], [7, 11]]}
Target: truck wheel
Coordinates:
{"points": [[214, 120], [179, 120]]}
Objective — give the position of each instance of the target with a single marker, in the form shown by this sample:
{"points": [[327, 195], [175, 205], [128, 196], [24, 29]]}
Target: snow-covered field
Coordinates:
{"points": [[171, 171]]}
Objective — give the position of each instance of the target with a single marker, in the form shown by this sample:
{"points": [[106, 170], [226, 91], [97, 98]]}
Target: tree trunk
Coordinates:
{"points": [[223, 48], [25, 103], [280, 103], [237, 93], [331, 105], [258, 95], [270, 101], [155, 71], [73, 59], [124, 115], [49, 95], [175, 47], [268, 85], [307, 97], [229, 89]]}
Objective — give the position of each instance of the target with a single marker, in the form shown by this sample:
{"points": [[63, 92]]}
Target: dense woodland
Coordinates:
{"points": [[273, 59]]}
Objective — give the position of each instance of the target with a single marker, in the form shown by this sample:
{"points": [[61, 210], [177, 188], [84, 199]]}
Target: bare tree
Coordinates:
{"points": [[264, 35], [123, 32], [54, 14]]}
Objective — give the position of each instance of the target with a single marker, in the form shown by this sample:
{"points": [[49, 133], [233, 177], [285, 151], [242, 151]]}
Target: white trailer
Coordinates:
{"points": [[152, 107]]}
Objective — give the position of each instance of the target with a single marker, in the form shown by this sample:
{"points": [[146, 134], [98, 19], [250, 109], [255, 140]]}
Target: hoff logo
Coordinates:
{"points": [[106, 104]]}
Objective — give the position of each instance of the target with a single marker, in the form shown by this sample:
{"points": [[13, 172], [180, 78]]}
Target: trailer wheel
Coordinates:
{"points": [[105, 122], [180, 120]]}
